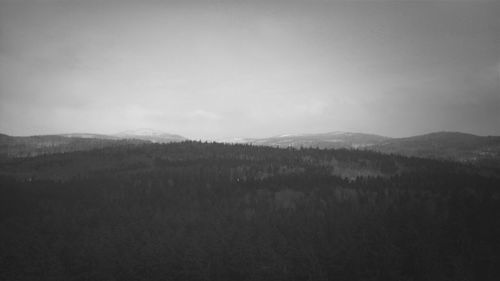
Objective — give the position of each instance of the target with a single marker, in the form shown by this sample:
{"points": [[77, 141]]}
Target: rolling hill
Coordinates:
{"points": [[454, 146], [445, 145], [17, 146]]}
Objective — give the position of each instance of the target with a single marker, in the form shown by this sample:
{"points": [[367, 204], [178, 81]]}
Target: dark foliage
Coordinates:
{"points": [[206, 211]]}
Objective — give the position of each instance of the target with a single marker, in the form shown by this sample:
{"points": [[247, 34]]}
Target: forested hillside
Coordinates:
{"points": [[209, 211], [484, 151], [49, 144], [456, 146]]}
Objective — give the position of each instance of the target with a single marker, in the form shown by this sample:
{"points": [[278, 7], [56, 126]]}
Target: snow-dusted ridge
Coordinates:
{"points": [[142, 132], [336, 139], [150, 135], [88, 136]]}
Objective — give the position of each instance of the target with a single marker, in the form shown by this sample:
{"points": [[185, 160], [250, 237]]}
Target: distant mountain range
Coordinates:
{"points": [[441, 145]]}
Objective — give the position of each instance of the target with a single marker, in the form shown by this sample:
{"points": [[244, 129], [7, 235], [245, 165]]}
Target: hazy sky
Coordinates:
{"points": [[219, 69]]}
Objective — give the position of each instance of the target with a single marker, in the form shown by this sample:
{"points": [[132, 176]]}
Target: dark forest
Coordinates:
{"points": [[210, 211]]}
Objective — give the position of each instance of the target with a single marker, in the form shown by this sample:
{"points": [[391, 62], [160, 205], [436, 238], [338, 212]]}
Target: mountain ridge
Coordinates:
{"points": [[446, 145]]}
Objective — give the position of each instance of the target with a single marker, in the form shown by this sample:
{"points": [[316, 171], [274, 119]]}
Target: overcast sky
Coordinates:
{"points": [[221, 69]]}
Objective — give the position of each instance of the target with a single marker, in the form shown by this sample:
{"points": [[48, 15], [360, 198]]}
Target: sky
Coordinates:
{"points": [[226, 69]]}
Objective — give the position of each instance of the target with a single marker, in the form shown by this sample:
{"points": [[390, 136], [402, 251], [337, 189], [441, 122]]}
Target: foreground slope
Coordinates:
{"points": [[201, 211]]}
